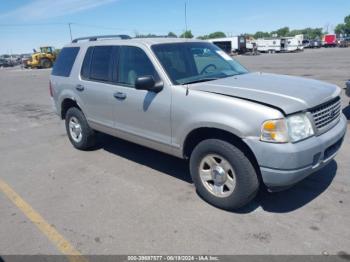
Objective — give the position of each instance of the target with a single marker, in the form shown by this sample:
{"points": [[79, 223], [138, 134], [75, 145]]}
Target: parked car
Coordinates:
{"points": [[25, 58], [5, 63], [238, 129], [2, 62], [306, 43], [344, 42], [312, 43], [348, 88], [11, 60]]}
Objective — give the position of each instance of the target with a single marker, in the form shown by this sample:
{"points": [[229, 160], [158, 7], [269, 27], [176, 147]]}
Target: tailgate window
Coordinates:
{"points": [[65, 61]]}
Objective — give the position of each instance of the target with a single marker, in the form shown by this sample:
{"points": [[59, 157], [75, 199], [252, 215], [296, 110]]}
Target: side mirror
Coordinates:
{"points": [[148, 83]]}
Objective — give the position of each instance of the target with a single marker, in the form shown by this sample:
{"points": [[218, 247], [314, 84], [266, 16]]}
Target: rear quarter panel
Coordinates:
{"points": [[64, 87]]}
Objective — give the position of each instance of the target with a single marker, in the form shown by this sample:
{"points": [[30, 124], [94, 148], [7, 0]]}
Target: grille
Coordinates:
{"points": [[325, 114]]}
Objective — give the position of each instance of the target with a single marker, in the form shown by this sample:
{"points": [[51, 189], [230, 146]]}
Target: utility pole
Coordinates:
{"points": [[70, 31], [186, 18]]}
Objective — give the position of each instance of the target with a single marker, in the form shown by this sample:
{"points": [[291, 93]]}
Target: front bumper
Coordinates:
{"points": [[32, 62], [283, 165]]}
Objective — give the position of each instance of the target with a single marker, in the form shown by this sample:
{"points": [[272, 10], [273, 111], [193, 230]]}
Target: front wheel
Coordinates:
{"points": [[45, 63], [222, 174]]}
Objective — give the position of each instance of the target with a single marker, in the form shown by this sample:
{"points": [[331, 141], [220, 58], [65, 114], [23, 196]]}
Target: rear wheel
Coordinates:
{"points": [[222, 174], [78, 130]]}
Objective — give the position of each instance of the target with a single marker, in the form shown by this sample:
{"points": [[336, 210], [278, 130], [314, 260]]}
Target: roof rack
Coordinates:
{"points": [[95, 38]]}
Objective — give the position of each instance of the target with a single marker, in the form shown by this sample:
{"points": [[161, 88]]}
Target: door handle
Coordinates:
{"points": [[80, 88], [119, 95]]}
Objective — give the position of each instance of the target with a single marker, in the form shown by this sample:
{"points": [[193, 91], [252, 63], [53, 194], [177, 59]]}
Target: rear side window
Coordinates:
{"points": [[85, 70], [101, 63], [65, 61]]}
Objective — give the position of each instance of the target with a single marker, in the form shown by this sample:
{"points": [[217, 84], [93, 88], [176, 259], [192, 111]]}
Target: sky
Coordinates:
{"points": [[28, 24]]}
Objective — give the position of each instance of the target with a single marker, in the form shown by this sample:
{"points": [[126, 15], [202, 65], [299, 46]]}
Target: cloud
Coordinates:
{"points": [[45, 9]]}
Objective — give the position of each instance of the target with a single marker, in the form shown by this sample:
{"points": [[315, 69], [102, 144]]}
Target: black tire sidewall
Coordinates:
{"points": [[247, 183], [88, 138], [45, 63]]}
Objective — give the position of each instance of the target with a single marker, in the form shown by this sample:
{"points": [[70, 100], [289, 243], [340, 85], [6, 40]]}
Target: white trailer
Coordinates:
{"points": [[269, 45], [250, 44], [235, 44], [283, 44], [293, 44]]}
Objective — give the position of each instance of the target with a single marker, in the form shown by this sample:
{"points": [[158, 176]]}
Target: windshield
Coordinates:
{"points": [[195, 62], [46, 49]]}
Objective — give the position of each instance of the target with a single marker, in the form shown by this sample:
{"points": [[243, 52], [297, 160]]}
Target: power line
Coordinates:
{"points": [[28, 24]]}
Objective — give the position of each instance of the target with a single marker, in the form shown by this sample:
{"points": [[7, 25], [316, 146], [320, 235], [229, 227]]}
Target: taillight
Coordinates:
{"points": [[50, 88]]}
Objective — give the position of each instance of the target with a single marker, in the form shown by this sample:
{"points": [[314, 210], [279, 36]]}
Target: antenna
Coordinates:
{"points": [[70, 31]]}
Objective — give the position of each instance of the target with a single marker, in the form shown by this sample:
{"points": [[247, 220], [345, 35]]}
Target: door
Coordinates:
{"points": [[140, 114], [95, 88], [283, 45]]}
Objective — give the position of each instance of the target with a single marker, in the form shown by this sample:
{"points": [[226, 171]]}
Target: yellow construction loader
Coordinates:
{"points": [[43, 59]]}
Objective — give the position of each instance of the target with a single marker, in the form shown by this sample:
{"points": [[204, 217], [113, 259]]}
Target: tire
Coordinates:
{"points": [[243, 174], [87, 137], [45, 63]]}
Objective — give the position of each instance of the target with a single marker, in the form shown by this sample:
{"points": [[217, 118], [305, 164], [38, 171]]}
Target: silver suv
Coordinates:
{"points": [[189, 99]]}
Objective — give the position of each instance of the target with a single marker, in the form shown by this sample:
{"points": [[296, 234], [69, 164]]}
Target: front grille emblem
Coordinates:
{"points": [[332, 113]]}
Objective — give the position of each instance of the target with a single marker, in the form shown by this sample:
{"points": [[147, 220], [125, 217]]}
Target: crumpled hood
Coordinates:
{"points": [[288, 93]]}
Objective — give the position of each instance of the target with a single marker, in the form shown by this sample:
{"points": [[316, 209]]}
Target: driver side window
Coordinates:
{"points": [[133, 63], [207, 61]]}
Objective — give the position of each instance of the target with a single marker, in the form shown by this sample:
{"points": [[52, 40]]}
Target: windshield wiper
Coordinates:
{"points": [[200, 80]]}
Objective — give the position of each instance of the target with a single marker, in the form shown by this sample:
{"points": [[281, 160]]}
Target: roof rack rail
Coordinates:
{"points": [[95, 38]]}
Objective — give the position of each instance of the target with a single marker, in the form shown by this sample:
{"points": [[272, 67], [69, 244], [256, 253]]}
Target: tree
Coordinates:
{"points": [[309, 33], [340, 29], [261, 34], [295, 32], [187, 34], [171, 34], [343, 28], [347, 19], [282, 31], [204, 37], [347, 25], [217, 35], [145, 36], [214, 35]]}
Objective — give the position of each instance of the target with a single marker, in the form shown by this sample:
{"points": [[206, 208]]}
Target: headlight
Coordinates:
{"points": [[291, 129], [274, 131], [299, 127]]}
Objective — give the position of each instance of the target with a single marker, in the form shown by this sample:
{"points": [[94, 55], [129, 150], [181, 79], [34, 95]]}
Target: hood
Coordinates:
{"points": [[288, 93]]}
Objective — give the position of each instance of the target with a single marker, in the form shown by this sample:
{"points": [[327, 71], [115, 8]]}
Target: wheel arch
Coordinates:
{"points": [[202, 133], [66, 104]]}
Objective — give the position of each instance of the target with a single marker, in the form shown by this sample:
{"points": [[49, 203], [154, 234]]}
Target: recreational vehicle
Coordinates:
{"points": [[235, 44], [270, 45], [283, 44], [292, 44]]}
